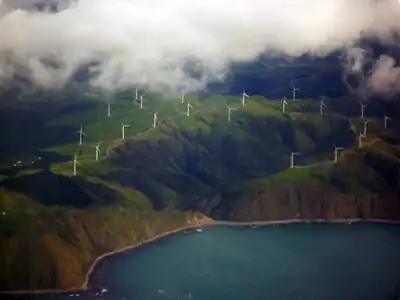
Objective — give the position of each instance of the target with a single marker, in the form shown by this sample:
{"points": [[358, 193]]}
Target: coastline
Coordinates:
{"points": [[132, 247], [209, 223]]}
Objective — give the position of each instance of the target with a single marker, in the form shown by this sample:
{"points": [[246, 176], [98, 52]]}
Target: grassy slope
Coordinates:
{"points": [[66, 239], [171, 113], [362, 184]]}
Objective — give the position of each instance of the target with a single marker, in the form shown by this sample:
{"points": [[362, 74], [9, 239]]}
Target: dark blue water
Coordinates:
{"points": [[288, 262]]}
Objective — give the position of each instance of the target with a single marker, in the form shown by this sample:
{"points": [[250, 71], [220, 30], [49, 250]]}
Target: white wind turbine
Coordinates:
{"points": [[108, 110], [284, 105], [136, 94], [292, 155], [294, 90], [141, 101], [360, 141], [244, 98], [81, 135], [123, 131], [230, 109], [386, 121], [75, 163], [322, 105], [188, 107], [363, 106], [155, 119], [336, 153], [182, 97], [97, 148], [366, 122]]}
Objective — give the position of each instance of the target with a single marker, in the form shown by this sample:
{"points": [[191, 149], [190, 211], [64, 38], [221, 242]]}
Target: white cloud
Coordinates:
{"points": [[150, 41], [384, 79]]}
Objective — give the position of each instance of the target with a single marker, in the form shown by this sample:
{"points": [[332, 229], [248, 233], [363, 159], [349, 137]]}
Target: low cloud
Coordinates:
{"points": [[384, 78], [178, 44]]}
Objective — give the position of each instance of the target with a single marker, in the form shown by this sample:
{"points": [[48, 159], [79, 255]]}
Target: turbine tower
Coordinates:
{"points": [[386, 121], [292, 155], [75, 162], [188, 107], [230, 109], [136, 94], [81, 135], [365, 127], [322, 105], [284, 105], [244, 98], [183, 97], [360, 141], [123, 130], [141, 101], [336, 153], [363, 106], [294, 90], [154, 119], [97, 147], [108, 110]]}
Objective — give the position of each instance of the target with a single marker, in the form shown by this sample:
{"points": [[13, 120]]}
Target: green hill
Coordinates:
{"points": [[201, 166]]}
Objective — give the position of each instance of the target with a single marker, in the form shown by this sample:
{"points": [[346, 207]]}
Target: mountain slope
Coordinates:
{"points": [[47, 246], [200, 166]]}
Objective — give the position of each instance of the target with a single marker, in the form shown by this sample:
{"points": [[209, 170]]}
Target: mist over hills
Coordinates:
{"points": [[158, 47], [268, 75]]}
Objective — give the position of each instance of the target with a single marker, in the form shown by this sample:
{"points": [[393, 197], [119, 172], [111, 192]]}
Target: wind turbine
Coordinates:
{"points": [[365, 127], [188, 107], [363, 106], [75, 162], [230, 109], [292, 155], [81, 135], [154, 119], [360, 142], [284, 104], [336, 153], [183, 97], [97, 147], [123, 130], [386, 121], [244, 98], [294, 89], [108, 110], [322, 105], [136, 94], [141, 101]]}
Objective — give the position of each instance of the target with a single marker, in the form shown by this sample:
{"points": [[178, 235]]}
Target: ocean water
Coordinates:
{"points": [[281, 262]]}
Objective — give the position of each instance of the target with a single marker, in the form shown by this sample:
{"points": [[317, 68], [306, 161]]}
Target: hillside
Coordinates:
{"points": [[189, 167]]}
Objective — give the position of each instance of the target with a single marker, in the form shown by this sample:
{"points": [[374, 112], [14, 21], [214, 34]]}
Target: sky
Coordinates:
{"points": [[150, 42]]}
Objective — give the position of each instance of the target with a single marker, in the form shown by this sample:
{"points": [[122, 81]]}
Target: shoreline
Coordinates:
{"points": [[85, 287]]}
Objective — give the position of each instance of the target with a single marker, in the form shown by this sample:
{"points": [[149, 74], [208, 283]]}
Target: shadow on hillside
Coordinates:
{"points": [[26, 129], [51, 189], [185, 170]]}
